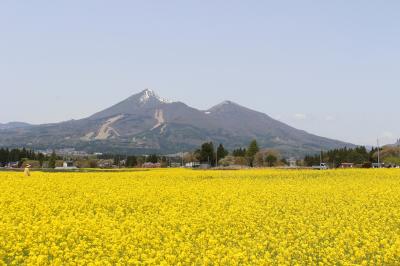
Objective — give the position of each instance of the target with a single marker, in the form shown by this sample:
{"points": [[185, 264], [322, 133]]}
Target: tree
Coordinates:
{"points": [[266, 157], [131, 161], [227, 161], [241, 161], [189, 157], [41, 158], [221, 152], [93, 164], [335, 157], [53, 159], [206, 153], [164, 160], [140, 160], [271, 160], [252, 151], [153, 158], [239, 152]]}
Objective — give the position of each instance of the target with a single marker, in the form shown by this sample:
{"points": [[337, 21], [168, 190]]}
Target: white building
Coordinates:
{"points": [[67, 165]]}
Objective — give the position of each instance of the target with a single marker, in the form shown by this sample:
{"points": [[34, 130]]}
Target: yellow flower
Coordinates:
{"points": [[186, 217]]}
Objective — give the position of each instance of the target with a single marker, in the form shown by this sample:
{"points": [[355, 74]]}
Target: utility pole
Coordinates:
{"points": [[182, 159], [398, 149], [216, 159], [379, 154], [320, 158]]}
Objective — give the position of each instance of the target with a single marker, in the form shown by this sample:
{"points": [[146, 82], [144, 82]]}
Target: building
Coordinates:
{"points": [[12, 165], [192, 165], [378, 165], [67, 165], [204, 166], [292, 163], [175, 165], [346, 165], [105, 163]]}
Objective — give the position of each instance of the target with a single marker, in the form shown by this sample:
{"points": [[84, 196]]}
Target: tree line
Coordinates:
{"points": [[19, 156], [359, 155], [210, 154], [252, 156]]}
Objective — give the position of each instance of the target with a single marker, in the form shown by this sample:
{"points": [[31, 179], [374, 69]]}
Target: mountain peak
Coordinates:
{"points": [[225, 105], [144, 99], [148, 94], [228, 103]]}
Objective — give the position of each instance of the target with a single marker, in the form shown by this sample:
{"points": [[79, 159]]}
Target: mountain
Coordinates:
{"points": [[13, 125], [147, 123]]}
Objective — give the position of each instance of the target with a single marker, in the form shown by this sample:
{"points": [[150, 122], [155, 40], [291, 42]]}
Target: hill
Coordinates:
{"points": [[147, 123]]}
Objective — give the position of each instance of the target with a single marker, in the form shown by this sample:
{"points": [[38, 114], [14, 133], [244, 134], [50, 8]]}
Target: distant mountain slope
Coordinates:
{"points": [[13, 125], [145, 123]]}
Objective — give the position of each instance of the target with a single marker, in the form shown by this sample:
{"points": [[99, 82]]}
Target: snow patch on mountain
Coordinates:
{"points": [[89, 136], [148, 94], [159, 117], [106, 131]]}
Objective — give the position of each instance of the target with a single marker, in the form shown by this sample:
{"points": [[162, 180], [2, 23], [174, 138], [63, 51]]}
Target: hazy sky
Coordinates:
{"points": [[329, 67]]}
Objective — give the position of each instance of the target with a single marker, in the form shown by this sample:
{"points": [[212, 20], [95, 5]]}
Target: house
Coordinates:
{"points": [[151, 165], [13, 165], [67, 165], [292, 163], [378, 165], [175, 165], [204, 166], [105, 163], [346, 165], [192, 165]]}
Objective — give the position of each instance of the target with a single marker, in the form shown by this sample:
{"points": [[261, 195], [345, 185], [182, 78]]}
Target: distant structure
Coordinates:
{"points": [[67, 165], [292, 163], [346, 165], [377, 165], [204, 166], [105, 163], [175, 165], [13, 165], [192, 165]]}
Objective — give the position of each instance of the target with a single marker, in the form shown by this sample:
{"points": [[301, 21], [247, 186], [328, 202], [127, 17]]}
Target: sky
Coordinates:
{"points": [[328, 67]]}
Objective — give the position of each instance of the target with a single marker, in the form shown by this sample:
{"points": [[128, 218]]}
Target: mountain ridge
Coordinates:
{"points": [[14, 124], [148, 123]]}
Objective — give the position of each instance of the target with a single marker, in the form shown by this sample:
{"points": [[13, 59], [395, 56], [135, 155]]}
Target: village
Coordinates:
{"points": [[206, 157]]}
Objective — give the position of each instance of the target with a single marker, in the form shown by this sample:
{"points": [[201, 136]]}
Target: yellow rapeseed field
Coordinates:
{"points": [[188, 217]]}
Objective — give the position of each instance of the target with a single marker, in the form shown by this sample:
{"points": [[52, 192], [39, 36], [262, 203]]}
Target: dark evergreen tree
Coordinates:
{"points": [[239, 152], [207, 154], [251, 152], [335, 157], [41, 158], [153, 158], [131, 161], [117, 160], [16, 155], [53, 159], [221, 152]]}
